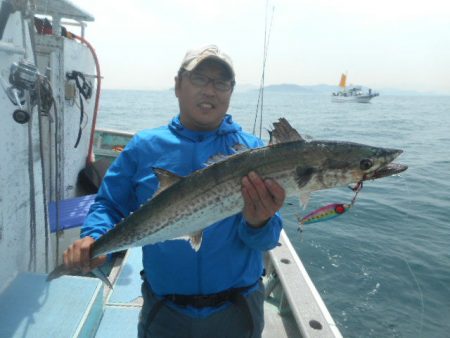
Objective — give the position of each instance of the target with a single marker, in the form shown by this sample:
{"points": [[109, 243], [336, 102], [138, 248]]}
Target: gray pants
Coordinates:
{"points": [[231, 322]]}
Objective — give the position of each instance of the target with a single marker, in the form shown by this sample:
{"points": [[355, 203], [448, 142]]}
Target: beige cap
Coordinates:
{"points": [[194, 57]]}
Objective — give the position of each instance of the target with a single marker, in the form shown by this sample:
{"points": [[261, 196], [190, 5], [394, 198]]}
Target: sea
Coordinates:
{"points": [[383, 268]]}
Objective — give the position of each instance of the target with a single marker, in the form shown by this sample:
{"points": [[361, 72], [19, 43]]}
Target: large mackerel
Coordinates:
{"points": [[187, 205]]}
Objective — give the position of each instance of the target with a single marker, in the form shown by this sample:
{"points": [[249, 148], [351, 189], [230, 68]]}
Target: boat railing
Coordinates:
{"points": [[290, 287]]}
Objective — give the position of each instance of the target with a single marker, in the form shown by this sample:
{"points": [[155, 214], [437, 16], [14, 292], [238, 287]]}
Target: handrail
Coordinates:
{"points": [[311, 315]]}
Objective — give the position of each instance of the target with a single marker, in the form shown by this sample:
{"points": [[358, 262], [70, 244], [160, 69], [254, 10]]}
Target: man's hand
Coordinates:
{"points": [[262, 199], [78, 256]]}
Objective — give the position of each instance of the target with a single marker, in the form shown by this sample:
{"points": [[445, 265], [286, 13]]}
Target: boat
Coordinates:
{"points": [[352, 93], [53, 160]]}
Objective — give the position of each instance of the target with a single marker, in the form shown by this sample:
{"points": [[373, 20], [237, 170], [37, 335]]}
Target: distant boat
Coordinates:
{"points": [[352, 93]]}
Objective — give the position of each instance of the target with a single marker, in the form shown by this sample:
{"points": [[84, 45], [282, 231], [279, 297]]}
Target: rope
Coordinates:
{"points": [[43, 171], [90, 157], [84, 90], [58, 180], [32, 244]]}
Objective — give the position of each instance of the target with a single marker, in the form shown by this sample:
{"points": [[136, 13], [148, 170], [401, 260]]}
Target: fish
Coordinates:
{"points": [[184, 206]]}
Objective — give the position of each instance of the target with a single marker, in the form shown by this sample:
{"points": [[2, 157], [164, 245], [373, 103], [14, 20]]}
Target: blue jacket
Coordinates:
{"points": [[231, 252]]}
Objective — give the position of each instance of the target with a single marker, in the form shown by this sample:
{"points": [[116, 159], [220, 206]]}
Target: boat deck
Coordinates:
{"points": [[76, 306], [124, 301], [67, 307], [73, 306]]}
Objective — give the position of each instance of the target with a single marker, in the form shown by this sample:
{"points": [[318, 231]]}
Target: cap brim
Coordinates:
{"points": [[195, 62]]}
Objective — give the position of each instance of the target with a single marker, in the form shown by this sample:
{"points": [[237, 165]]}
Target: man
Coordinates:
{"points": [[217, 291]]}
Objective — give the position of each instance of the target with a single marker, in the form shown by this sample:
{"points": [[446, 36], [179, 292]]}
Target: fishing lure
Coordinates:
{"points": [[325, 213], [329, 211]]}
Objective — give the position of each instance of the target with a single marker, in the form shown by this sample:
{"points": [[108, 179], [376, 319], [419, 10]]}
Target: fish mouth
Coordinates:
{"points": [[392, 154], [380, 163], [396, 153], [387, 170]]}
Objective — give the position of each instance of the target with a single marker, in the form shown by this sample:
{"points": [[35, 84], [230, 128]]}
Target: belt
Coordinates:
{"points": [[211, 300]]}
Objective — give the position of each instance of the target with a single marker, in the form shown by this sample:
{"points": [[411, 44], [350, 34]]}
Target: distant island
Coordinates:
{"points": [[324, 89], [319, 89]]}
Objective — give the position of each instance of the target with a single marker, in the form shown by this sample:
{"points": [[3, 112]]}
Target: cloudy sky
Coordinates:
{"points": [[403, 44]]}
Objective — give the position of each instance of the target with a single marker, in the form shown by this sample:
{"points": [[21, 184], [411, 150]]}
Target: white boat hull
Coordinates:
{"points": [[359, 98], [39, 160], [352, 93]]}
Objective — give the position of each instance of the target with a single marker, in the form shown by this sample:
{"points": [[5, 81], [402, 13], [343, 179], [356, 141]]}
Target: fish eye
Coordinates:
{"points": [[365, 164]]}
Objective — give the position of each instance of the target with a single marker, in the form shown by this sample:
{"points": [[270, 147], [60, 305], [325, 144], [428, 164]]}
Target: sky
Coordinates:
{"points": [[402, 44]]}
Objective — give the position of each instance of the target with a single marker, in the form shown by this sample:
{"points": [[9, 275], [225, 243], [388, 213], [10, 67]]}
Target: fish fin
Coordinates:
{"points": [[303, 175], [59, 271], [240, 148], [166, 179], [283, 132], [195, 239], [62, 270], [216, 158], [219, 157], [100, 274], [304, 200]]}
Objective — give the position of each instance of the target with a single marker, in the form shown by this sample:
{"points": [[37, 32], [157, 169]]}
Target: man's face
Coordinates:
{"points": [[203, 108]]}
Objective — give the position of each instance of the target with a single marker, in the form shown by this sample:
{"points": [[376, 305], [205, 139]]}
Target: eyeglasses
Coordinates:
{"points": [[200, 80]]}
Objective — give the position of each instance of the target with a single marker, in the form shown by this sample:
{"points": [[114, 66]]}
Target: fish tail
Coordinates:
{"points": [[100, 274], [62, 270], [59, 271]]}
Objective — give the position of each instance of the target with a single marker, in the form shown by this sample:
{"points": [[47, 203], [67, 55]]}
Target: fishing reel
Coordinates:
{"points": [[24, 75], [17, 97], [24, 78], [21, 116]]}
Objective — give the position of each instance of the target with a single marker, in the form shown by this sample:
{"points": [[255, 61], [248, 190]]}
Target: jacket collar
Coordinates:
{"points": [[227, 126]]}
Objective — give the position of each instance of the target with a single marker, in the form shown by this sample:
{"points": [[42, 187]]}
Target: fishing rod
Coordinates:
{"points": [[260, 102]]}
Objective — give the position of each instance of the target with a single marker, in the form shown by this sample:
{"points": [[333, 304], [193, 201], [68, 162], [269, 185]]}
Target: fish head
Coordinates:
{"points": [[369, 162], [343, 163], [376, 162], [370, 159]]}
